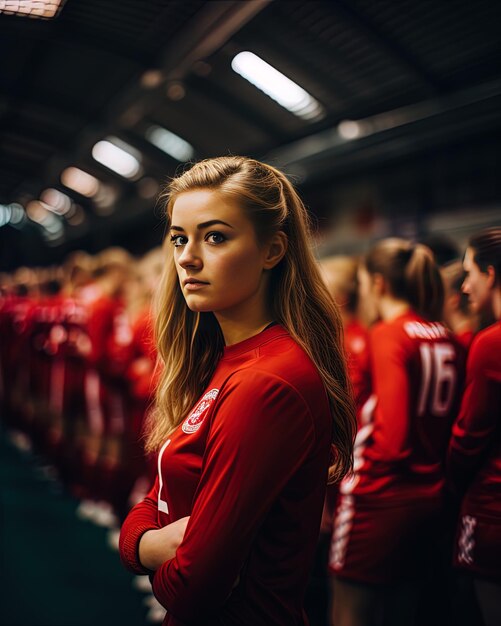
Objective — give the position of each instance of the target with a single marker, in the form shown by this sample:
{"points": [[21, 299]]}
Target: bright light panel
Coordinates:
{"points": [[17, 216], [12, 214], [80, 181], [349, 129], [170, 143], [117, 156], [56, 201], [5, 214], [277, 86], [32, 8]]}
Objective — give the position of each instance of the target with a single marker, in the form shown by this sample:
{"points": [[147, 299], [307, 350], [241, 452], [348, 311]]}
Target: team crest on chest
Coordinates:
{"points": [[194, 420]]}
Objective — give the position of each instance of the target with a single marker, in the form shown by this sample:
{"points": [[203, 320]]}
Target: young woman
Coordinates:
{"points": [[386, 513], [475, 446], [456, 313], [253, 393]]}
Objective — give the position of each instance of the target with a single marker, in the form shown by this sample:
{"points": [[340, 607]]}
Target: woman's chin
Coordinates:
{"points": [[197, 307]]}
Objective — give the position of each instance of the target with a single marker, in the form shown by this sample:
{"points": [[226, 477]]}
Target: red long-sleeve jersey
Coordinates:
{"points": [[475, 447], [417, 371], [356, 340], [141, 370], [249, 465]]}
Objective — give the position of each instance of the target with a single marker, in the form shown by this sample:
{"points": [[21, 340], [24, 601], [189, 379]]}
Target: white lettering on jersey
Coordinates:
{"points": [[194, 420], [466, 542], [162, 504], [418, 330]]}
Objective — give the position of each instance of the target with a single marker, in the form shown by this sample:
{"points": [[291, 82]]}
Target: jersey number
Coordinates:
{"points": [[438, 378]]}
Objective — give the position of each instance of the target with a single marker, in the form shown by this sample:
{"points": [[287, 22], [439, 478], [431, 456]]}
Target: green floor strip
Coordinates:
{"points": [[55, 570]]}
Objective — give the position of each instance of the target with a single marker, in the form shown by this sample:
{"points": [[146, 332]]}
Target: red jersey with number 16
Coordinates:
{"points": [[417, 370]]}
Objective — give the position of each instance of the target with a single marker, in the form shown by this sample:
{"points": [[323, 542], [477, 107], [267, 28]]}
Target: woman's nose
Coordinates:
{"points": [[189, 256]]}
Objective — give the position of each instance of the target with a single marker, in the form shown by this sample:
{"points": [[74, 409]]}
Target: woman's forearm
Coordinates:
{"points": [[158, 546]]}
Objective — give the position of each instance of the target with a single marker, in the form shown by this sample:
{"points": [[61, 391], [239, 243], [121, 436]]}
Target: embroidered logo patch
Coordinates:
{"points": [[194, 420]]}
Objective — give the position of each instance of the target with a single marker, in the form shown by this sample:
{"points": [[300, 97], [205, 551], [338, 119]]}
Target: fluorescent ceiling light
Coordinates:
{"points": [[5, 214], [118, 156], [44, 9], [80, 181], [38, 212], [56, 201], [52, 226], [349, 129], [277, 86], [170, 143], [12, 214], [17, 214]]}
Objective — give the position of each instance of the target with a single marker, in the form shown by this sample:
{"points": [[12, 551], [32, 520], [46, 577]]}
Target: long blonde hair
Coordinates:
{"points": [[191, 343]]}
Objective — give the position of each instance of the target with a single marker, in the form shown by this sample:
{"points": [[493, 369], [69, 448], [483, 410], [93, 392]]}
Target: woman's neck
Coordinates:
{"points": [[390, 308], [496, 304], [237, 331]]}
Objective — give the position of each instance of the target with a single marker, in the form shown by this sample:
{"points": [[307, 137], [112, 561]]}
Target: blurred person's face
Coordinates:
{"points": [[451, 301], [477, 284], [368, 297], [133, 287], [450, 306]]}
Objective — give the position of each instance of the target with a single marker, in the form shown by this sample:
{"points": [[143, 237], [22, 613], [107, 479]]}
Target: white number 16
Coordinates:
{"points": [[439, 378]]}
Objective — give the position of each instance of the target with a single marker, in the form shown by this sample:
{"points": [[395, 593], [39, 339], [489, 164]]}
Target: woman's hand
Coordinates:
{"points": [[158, 546]]}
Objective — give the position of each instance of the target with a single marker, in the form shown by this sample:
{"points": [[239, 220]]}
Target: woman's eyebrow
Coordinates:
{"points": [[203, 225]]}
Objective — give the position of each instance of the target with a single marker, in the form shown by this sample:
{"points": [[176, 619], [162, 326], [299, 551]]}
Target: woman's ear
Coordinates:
{"points": [[378, 284], [491, 276], [275, 250]]}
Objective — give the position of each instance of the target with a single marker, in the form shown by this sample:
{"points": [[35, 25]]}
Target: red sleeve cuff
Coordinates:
{"points": [[130, 536]]}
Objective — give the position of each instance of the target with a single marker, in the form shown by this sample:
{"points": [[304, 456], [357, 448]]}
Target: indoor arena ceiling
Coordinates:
{"points": [[404, 75]]}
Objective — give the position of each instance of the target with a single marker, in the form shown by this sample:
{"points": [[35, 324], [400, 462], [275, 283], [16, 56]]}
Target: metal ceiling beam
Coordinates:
{"points": [[205, 33], [213, 26], [394, 134], [381, 40]]}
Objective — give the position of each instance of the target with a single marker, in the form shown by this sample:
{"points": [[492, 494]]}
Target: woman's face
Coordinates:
{"points": [[219, 262], [367, 297], [477, 284]]}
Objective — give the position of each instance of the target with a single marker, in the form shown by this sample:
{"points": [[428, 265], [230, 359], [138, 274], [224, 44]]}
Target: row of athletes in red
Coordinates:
{"points": [[77, 361]]}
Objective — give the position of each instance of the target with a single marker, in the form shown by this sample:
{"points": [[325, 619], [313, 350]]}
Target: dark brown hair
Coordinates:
{"points": [[486, 246], [411, 274]]}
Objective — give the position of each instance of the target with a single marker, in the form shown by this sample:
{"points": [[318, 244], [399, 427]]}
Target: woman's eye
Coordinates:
{"points": [[178, 240], [215, 238]]}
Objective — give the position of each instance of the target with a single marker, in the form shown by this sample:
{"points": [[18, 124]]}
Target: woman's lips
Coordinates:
{"points": [[194, 285]]}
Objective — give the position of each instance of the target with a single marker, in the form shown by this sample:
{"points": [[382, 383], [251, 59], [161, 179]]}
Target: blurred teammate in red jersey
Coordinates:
{"points": [[253, 393], [106, 325], [340, 277], [389, 510], [475, 446], [19, 325], [141, 372], [456, 312]]}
